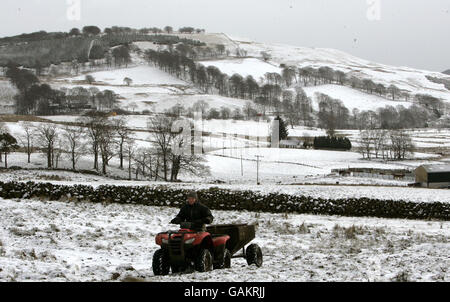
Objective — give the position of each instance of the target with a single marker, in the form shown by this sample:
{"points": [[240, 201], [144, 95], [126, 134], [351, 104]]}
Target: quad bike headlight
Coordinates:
{"points": [[165, 241], [189, 241]]}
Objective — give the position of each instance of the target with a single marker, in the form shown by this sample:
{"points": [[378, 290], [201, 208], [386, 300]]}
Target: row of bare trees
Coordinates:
{"points": [[388, 144], [105, 138]]}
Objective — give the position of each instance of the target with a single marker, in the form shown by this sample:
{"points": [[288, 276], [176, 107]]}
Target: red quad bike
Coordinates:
{"points": [[205, 250]]}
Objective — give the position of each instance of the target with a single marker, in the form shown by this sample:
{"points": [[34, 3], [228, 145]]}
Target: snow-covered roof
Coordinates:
{"points": [[436, 168], [289, 142]]}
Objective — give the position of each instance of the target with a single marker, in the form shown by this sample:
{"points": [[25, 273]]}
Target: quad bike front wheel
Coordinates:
{"points": [[204, 261], [226, 261], [160, 263], [253, 254]]}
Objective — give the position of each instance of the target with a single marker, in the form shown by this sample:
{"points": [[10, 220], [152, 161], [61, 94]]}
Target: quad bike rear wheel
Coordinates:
{"points": [[160, 263], [204, 261], [253, 254], [226, 261]]}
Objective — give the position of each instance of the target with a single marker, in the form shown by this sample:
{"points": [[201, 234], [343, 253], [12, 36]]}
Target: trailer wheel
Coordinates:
{"points": [[204, 261], [160, 263], [226, 261], [253, 254]]}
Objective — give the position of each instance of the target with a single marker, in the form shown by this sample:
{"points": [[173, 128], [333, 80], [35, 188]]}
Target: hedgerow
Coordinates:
{"points": [[223, 199]]}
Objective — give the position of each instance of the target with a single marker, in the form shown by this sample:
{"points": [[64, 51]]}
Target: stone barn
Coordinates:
{"points": [[433, 176]]}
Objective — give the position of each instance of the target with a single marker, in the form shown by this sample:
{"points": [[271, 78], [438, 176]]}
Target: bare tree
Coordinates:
{"points": [[201, 106], [120, 127], [248, 109], [106, 143], [143, 159], [181, 155], [379, 142], [127, 81], [265, 56], [94, 125], [401, 144], [58, 151], [168, 29], [90, 79], [27, 139], [133, 106], [3, 129], [130, 149], [73, 137], [394, 91], [161, 133], [366, 143], [47, 135], [192, 164]]}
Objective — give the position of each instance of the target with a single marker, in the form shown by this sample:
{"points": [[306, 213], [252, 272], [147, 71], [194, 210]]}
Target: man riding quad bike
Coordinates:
{"points": [[203, 248], [194, 214]]}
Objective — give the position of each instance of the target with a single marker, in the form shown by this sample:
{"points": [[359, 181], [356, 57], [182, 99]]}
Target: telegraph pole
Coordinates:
{"points": [[257, 168], [242, 166]]}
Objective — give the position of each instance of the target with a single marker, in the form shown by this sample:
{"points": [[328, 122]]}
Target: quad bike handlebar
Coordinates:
{"points": [[186, 225]]}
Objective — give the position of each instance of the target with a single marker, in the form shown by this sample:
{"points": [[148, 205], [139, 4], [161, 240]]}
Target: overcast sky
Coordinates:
{"points": [[411, 33]]}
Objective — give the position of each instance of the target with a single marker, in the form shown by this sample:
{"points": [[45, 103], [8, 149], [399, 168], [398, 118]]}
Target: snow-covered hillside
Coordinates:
{"points": [[409, 79], [413, 80], [151, 89], [155, 90], [244, 67], [141, 75], [351, 98]]}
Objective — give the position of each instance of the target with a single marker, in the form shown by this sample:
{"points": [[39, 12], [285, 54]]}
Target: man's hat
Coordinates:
{"points": [[192, 194]]}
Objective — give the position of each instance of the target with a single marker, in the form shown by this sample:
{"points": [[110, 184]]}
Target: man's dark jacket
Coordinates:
{"points": [[198, 214]]}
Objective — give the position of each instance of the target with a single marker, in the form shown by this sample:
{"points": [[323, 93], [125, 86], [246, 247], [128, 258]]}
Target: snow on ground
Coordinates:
{"points": [[158, 98], [145, 45], [306, 161], [67, 241], [251, 128], [423, 139], [258, 127], [413, 80], [224, 154], [160, 102], [351, 98], [141, 75], [39, 162], [244, 67], [315, 186]]}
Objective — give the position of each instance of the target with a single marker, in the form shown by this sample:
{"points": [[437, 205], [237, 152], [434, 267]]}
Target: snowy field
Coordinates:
{"points": [[244, 67], [277, 166], [298, 165], [351, 98], [64, 241], [152, 89], [285, 166], [423, 139], [141, 75]]}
